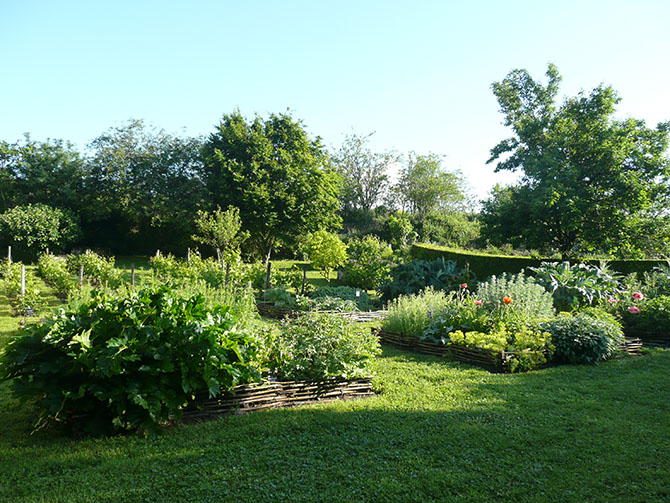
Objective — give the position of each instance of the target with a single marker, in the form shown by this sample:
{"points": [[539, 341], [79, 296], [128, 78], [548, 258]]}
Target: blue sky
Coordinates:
{"points": [[417, 73]]}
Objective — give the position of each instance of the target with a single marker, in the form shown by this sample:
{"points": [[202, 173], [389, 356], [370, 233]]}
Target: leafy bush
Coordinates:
{"points": [[22, 305], [321, 346], [129, 361], [461, 312], [98, 270], [370, 261], [359, 297], [584, 337], [33, 228], [414, 276], [55, 272], [653, 314], [576, 286], [413, 314], [657, 282], [282, 298], [515, 299], [325, 250]]}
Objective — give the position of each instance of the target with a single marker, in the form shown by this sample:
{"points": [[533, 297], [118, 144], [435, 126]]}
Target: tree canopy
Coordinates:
{"points": [[586, 176]]}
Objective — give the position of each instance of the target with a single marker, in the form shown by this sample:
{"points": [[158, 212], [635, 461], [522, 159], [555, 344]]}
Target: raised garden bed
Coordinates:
{"points": [[658, 339], [253, 397], [494, 361], [269, 310]]}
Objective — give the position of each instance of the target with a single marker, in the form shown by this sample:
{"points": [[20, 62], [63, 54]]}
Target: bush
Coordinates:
{"points": [[515, 299], [576, 286], [33, 228], [23, 305], [414, 276], [321, 346], [325, 250], [584, 337], [359, 297], [653, 314], [129, 361], [54, 271], [98, 270], [370, 261], [413, 314]]}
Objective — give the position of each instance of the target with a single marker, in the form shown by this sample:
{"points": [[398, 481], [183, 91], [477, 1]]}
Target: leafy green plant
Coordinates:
{"points": [[98, 270], [321, 346], [325, 250], [584, 337], [356, 295], [280, 297], [129, 361], [413, 314], [578, 285], [23, 305], [54, 271], [414, 276], [370, 261], [646, 314]]}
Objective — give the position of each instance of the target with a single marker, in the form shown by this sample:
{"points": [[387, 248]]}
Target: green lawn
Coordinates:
{"points": [[437, 431]]}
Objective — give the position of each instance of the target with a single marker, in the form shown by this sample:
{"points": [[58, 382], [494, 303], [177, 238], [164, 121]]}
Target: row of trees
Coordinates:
{"points": [[590, 183]]}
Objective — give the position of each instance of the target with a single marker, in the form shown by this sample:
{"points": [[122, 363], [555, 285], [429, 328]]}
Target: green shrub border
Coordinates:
{"points": [[484, 265]]}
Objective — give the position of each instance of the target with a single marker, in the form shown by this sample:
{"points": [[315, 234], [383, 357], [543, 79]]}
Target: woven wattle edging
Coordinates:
{"points": [[658, 339], [270, 311], [495, 361], [252, 397]]}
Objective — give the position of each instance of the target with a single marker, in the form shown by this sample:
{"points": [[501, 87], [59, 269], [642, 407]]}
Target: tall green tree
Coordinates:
{"points": [[585, 174], [280, 179]]}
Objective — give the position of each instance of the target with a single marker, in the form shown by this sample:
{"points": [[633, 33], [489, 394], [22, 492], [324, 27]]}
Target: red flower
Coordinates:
{"points": [[612, 300], [507, 300], [464, 285], [638, 296], [478, 303], [633, 309]]}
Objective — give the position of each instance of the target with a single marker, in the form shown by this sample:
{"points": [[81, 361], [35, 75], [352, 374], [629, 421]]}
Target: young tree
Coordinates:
{"points": [[279, 178], [221, 230], [585, 174], [325, 250], [364, 173]]}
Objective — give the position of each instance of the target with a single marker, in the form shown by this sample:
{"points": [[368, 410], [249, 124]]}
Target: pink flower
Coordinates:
{"points": [[612, 300], [633, 309], [638, 296], [478, 303]]}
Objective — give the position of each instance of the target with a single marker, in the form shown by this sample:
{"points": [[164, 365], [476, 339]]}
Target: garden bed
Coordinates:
{"points": [[494, 361], [655, 339], [270, 395], [269, 310]]}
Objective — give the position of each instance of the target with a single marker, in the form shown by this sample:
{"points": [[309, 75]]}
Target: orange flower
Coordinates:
{"points": [[507, 300]]}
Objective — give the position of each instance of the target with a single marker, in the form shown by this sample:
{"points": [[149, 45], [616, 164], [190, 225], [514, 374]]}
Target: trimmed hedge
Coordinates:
{"points": [[484, 265]]}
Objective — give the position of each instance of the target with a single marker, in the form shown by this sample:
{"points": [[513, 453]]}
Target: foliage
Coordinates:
{"points": [[412, 314], [360, 297], [33, 228], [55, 272], [278, 177], [653, 315], [401, 229], [282, 298], [364, 173], [221, 231], [585, 174], [23, 305], [515, 299], [100, 271], [325, 250], [414, 276], [370, 261], [460, 312], [129, 361], [584, 337], [321, 346], [578, 285], [657, 281], [450, 228]]}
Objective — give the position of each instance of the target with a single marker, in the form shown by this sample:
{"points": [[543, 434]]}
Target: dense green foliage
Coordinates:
{"points": [[325, 250], [369, 264], [320, 346], [129, 361], [653, 315], [360, 297], [414, 276], [10, 286], [54, 270], [412, 314], [33, 228], [589, 182], [584, 337], [99, 270], [220, 230]]}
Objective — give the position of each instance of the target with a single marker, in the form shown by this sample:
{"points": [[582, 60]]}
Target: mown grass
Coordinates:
{"points": [[437, 431]]}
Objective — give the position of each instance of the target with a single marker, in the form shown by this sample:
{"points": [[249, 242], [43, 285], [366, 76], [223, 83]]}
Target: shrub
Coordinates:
{"points": [[35, 227], [653, 315], [325, 250], [576, 286], [22, 305], [370, 261], [54, 271], [359, 297], [412, 314], [98, 270], [515, 299], [584, 337], [129, 361], [414, 276], [321, 346]]}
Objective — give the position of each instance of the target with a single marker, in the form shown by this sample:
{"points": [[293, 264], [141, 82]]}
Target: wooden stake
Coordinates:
{"points": [[9, 254], [267, 276], [188, 255], [81, 275], [23, 280], [132, 274], [304, 279], [227, 273]]}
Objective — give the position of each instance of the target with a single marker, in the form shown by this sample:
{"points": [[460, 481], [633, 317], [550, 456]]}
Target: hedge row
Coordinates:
{"points": [[484, 265]]}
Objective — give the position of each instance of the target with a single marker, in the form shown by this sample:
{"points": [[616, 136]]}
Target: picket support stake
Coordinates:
{"points": [[23, 280], [9, 254], [81, 275], [132, 274]]}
